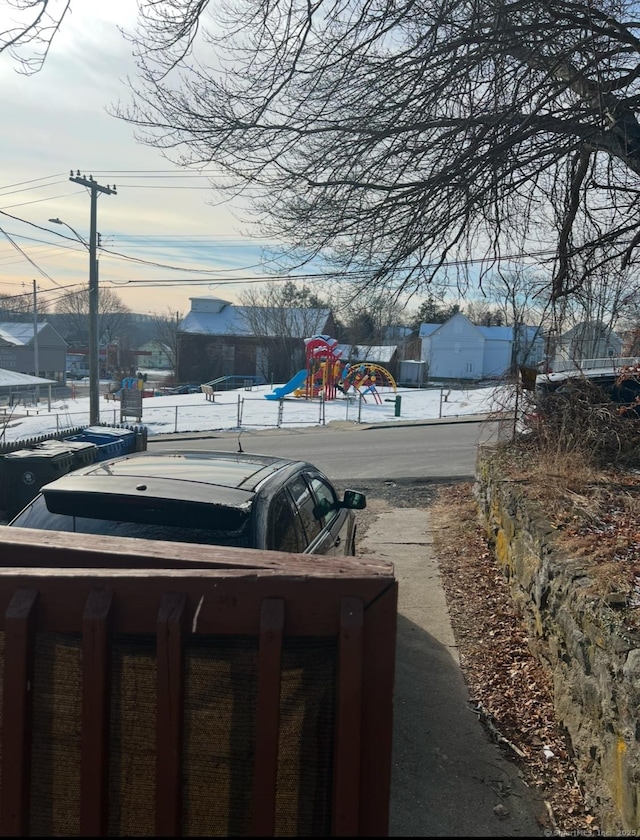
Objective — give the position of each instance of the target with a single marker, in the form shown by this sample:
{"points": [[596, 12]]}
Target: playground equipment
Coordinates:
{"points": [[323, 366], [326, 373], [365, 378], [292, 386]]}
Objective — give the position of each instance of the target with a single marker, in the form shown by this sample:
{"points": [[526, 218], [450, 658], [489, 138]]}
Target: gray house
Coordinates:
{"points": [[20, 345]]}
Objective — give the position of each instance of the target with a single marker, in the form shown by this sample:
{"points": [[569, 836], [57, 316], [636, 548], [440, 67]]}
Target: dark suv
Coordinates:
{"points": [[216, 498]]}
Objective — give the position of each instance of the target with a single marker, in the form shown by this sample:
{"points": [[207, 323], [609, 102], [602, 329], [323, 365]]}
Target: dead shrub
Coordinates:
{"points": [[581, 419]]}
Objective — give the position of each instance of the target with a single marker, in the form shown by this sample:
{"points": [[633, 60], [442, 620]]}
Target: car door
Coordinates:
{"points": [[325, 523], [337, 522]]}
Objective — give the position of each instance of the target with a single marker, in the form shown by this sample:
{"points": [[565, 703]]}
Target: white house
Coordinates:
{"points": [[153, 355], [459, 349], [586, 340]]}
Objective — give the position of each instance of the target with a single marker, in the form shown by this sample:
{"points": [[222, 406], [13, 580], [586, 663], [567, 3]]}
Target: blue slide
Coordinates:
{"points": [[297, 381]]}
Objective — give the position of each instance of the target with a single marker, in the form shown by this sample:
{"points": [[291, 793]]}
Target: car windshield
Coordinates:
{"points": [[225, 526]]}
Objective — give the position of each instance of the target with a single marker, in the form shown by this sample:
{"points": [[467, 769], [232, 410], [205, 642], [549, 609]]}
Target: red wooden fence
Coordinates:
{"points": [[163, 689]]}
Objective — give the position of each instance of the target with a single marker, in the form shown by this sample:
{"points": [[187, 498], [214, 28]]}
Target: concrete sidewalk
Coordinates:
{"points": [[448, 778]]}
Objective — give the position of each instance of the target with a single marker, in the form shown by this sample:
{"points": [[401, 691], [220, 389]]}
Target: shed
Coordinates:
{"points": [[15, 387]]}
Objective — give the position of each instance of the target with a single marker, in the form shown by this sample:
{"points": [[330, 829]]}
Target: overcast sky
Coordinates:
{"points": [[56, 121]]}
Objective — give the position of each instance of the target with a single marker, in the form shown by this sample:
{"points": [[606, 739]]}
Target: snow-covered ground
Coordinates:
{"points": [[242, 409]]}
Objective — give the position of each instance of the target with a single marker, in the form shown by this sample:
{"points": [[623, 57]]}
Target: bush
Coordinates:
{"points": [[581, 418]]}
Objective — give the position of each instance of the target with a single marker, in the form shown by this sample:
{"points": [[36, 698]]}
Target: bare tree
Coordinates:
{"points": [[29, 28], [20, 307], [279, 315], [371, 316], [397, 137], [166, 335], [112, 315]]}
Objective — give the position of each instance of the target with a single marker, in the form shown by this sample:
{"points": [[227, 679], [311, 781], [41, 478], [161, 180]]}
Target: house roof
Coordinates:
{"points": [[20, 333], [497, 333], [491, 333], [377, 354], [12, 379], [428, 329], [590, 327], [396, 333], [235, 320]]}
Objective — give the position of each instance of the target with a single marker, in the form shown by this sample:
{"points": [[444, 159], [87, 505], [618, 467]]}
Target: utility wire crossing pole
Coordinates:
{"points": [[94, 359]]}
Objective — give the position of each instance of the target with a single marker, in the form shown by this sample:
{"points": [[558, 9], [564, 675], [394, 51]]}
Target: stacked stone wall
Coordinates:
{"points": [[580, 637]]}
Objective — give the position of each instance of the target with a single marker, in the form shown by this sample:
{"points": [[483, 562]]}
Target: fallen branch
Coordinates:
{"points": [[485, 717]]}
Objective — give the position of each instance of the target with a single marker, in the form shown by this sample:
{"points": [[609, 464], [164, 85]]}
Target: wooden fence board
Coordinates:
{"points": [[215, 625]]}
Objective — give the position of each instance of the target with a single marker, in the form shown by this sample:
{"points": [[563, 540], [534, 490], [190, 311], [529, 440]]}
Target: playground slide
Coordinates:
{"points": [[297, 382]]}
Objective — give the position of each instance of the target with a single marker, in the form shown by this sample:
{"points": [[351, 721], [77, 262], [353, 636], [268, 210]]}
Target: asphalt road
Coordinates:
{"points": [[431, 450]]}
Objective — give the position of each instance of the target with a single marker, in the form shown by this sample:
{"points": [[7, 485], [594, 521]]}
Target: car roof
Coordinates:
{"points": [[222, 469], [208, 477]]}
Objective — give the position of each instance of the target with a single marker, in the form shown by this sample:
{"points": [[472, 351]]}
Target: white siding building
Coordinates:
{"points": [[459, 349]]}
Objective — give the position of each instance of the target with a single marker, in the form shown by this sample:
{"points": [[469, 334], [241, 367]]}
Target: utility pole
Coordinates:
{"points": [[36, 360], [94, 365]]}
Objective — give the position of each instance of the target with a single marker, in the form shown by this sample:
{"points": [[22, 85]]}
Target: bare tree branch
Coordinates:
{"points": [[30, 30], [398, 138]]}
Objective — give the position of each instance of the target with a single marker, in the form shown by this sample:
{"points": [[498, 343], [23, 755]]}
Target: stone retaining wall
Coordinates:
{"points": [[580, 637]]}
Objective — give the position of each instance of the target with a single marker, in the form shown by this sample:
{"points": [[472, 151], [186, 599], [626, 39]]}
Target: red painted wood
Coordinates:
{"points": [[221, 593], [17, 705], [96, 632], [346, 766], [272, 616], [170, 633], [225, 601], [61, 549], [380, 620]]}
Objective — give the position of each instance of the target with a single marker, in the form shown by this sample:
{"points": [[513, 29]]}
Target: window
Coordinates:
{"points": [[305, 503], [327, 504], [283, 530]]}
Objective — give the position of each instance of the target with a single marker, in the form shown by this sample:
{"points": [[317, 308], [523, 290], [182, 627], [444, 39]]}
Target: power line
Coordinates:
{"points": [[40, 200], [34, 180], [28, 258]]}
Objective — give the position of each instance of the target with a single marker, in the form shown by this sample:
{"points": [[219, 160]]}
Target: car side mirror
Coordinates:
{"points": [[354, 500]]}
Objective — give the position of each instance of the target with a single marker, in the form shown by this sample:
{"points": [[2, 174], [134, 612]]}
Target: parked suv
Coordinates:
{"points": [[216, 498]]}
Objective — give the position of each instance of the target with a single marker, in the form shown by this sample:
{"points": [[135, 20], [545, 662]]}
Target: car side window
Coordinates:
{"points": [[327, 503], [306, 505], [283, 533]]}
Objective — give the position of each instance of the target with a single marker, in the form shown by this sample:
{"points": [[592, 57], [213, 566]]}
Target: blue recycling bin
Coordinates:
{"points": [[111, 442]]}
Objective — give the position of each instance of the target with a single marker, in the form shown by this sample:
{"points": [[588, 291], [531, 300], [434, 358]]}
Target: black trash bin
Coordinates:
{"points": [[29, 469], [83, 452]]}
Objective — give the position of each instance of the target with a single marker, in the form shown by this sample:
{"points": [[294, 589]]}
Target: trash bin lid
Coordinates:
{"points": [[108, 431], [48, 454], [68, 445]]}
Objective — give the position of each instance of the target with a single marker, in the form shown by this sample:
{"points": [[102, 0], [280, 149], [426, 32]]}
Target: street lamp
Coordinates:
{"points": [[94, 368]]}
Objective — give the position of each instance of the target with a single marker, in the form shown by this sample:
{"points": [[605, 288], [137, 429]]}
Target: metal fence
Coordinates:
{"points": [[245, 411]]}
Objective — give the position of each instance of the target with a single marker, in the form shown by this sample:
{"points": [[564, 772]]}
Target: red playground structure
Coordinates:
{"points": [[323, 367], [326, 373]]}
